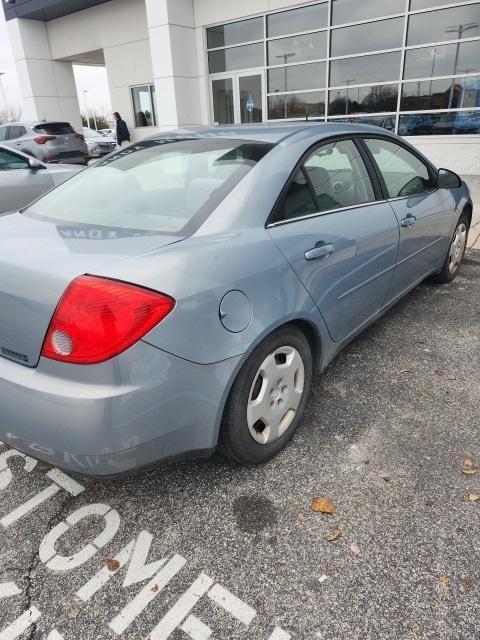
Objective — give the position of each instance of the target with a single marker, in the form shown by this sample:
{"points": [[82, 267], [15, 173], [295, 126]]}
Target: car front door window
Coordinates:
{"points": [[10, 161], [404, 174]]}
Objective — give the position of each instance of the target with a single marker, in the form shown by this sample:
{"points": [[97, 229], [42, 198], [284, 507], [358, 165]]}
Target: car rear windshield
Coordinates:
{"points": [[54, 128], [162, 185]]}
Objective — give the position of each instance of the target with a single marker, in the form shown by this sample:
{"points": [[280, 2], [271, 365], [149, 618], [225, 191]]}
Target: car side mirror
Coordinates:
{"points": [[34, 164], [448, 179]]}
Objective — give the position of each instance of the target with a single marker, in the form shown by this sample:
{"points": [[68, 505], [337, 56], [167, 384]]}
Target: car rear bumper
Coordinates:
{"points": [[138, 409]]}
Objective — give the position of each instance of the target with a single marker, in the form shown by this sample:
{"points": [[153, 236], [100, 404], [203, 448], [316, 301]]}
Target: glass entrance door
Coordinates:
{"points": [[250, 98], [238, 98]]}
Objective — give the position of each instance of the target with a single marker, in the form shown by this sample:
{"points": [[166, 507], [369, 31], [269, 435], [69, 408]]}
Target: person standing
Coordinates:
{"points": [[123, 134]]}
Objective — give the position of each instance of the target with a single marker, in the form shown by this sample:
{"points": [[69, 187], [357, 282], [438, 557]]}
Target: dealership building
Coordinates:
{"points": [[410, 66]]}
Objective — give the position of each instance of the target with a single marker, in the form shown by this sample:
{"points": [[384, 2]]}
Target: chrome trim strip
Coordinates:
{"points": [[324, 213]]}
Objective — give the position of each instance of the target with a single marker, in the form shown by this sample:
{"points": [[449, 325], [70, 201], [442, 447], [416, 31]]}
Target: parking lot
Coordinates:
{"points": [[391, 438]]}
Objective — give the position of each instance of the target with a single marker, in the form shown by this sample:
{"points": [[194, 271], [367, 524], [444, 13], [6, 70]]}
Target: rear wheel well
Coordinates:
{"points": [[311, 335], [467, 210]]}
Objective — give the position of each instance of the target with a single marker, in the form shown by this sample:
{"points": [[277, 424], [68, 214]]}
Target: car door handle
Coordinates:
{"points": [[319, 251], [409, 221]]}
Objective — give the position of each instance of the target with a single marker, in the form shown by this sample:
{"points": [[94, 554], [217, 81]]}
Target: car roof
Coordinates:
{"points": [[271, 132]]}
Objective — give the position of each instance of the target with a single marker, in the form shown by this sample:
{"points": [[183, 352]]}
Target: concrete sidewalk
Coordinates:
{"points": [[474, 235]]}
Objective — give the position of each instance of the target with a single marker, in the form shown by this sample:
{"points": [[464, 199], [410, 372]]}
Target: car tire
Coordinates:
{"points": [[455, 253], [267, 399]]}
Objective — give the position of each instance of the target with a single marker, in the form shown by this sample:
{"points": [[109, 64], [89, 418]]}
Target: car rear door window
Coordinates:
{"points": [[404, 174], [13, 132], [9, 161], [3, 133]]}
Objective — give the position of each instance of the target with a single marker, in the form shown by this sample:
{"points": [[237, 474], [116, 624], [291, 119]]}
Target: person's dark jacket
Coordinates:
{"points": [[123, 134]]}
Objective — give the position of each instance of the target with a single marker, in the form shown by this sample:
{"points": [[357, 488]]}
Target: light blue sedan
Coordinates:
{"points": [[180, 294]]}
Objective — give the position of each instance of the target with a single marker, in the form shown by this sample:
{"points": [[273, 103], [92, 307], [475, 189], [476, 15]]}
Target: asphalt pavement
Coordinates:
{"points": [[391, 438]]}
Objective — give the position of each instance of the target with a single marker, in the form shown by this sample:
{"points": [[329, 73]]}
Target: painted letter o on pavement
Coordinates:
{"points": [[57, 562]]}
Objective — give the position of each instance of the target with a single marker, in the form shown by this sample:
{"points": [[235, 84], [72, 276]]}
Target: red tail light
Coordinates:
{"points": [[80, 136], [44, 139], [96, 319]]}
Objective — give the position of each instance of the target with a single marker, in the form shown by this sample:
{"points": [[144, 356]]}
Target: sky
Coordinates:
{"points": [[92, 79]]}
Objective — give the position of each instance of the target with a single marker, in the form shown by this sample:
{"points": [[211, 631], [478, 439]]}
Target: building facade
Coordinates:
{"points": [[411, 66]]}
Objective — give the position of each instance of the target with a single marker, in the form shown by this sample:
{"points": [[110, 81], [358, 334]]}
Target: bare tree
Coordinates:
{"points": [[10, 114]]}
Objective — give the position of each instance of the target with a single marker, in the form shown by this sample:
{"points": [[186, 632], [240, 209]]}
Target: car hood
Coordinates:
{"points": [[38, 259]]}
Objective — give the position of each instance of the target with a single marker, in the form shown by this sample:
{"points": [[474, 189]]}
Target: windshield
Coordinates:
{"points": [[54, 128], [91, 133], [163, 185]]}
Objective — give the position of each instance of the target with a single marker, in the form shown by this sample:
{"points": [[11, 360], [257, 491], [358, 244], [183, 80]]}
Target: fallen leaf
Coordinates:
{"points": [[334, 535], [112, 564], [354, 548], [429, 503], [301, 517], [451, 376], [330, 570], [473, 497], [279, 568], [440, 372], [444, 581], [365, 461], [468, 582], [385, 477], [468, 463], [44, 466], [154, 588], [470, 471], [402, 371], [322, 505]]}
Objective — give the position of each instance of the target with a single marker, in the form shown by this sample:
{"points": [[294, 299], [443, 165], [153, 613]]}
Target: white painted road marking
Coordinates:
{"points": [[29, 505], [137, 552], [135, 607], [8, 589], [65, 482], [6, 475], [280, 634], [195, 629], [236, 607], [57, 562], [181, 608], [21, 624]]}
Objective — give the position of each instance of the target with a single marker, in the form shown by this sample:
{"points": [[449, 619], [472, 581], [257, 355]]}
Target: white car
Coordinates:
{"points": [[98, 144], [23, 178]]}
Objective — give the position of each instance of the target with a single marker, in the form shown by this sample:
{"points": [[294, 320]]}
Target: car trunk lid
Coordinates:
{"points": [[60, 140], [38, 259]]}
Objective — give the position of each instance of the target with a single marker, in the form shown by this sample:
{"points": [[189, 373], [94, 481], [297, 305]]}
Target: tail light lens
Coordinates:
{"points": [[96, 319], [44, 139], [80, 136]]}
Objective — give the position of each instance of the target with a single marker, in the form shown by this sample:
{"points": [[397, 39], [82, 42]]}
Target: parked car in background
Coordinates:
{"points": [[182, 292], [109, 133], [46, 141], [98, 144], [24, 178]]}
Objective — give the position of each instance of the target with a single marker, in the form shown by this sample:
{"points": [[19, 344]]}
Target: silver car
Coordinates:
{"points": [[23, 178], [181, 293], [98, 144], [46, 141]]}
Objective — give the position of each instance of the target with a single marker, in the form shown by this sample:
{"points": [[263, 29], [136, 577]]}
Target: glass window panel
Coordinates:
{"points": [[373, 36], [363, 100], [386, 122], [344, 11], [235, 33], [419, 124], [446, 24], [440, 60], [311, 46], [379, 67], [222, 91], [143, 106], [9, 160], [297, 77], [427, 4], [245, 57], [450, 93], [296, 20], [298, 200], [404, 174], [338, 176], [297, 105]]}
